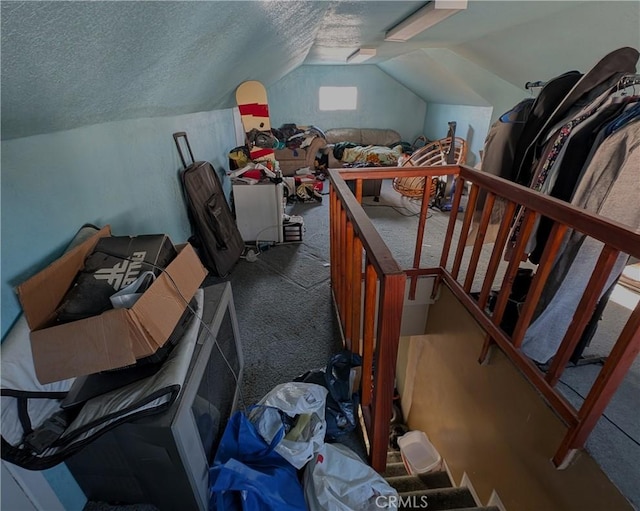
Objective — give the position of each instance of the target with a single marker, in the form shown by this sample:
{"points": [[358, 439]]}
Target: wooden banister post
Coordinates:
{"points": [[615, 368], [389, 318]]}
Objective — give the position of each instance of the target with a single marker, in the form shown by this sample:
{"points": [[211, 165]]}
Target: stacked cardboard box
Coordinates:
{"points": [[115, 338]]}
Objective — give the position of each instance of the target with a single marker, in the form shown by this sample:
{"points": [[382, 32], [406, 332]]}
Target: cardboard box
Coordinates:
{"points": [[115, 338], [116, 262]]}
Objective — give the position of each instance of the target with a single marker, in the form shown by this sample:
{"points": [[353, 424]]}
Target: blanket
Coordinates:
{"points": [[373, 154]]}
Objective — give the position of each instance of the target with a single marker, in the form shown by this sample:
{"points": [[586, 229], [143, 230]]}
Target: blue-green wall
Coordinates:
{"points": [[121, 173], [472, 124], [382, 101], [125, 173]]}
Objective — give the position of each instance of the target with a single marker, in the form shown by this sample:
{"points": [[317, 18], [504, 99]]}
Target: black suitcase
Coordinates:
{"points": [[215, 234]]}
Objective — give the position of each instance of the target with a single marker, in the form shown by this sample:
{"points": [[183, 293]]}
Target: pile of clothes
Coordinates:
{"points": [[288, 136], [294, 137], [373, 155]]}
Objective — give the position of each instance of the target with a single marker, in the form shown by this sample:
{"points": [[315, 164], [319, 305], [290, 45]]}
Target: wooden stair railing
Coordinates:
{"points": [[359, 255], [363, 270], [368, 289]]}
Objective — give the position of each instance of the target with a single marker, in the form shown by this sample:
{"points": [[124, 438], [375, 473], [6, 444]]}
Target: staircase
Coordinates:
{"points": [[432, 491]]}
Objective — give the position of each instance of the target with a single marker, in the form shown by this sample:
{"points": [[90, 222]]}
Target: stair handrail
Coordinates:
{"points": [[351, 228]]}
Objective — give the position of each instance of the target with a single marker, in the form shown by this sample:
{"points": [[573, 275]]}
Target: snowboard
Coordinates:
{"points": [[251, 98]]}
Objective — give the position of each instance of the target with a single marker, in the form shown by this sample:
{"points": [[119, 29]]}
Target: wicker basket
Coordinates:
{"points": [[432, 155], [412, 186]]}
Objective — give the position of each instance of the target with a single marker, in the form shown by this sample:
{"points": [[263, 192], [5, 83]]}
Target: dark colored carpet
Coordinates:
{"points": [[285, 310], [287, 324]]}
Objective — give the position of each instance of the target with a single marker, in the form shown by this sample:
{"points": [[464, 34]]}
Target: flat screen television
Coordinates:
{"points": [[164, 459]]}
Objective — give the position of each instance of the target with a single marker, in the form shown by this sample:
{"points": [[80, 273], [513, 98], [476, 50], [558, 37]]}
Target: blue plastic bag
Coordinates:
{"points": [[342, 405], [248, 474]]}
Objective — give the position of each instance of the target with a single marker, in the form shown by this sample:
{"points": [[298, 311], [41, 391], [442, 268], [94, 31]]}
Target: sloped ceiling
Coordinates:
{"points": [[69, 64], [66, 64]]}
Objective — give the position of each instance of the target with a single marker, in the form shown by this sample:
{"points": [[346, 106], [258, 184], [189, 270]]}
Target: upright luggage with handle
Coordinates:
{"points": [[215, 234]]}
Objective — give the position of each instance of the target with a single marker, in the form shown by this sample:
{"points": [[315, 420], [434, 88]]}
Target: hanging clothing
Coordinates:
{"points": [[506, 143], [502, 138], [591, 92], [568, 140], [498, 159], [610, 187], [551, 160], [582, 143], [545, 104], [617, 152], [631, 113], [601, 77], [563, 150], [561, 98]]}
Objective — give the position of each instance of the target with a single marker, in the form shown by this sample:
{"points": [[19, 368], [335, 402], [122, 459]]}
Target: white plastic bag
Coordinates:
{"points": [[307, 402], [337, 479]]}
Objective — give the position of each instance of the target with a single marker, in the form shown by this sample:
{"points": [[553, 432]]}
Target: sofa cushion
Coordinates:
{"points": [[291, 160], [379, 137], [363, 136]]}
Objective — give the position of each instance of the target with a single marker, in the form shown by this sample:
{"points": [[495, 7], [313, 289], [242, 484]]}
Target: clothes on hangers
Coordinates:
{"points": [[515, 153], [552, 154], [505, 143], [565, 154], [593, 186], [589, 93], [601, 77], [628, 115], [578, 152], [600, 136], [545, 104], [610, 187], [580, 143], [498, 159]]}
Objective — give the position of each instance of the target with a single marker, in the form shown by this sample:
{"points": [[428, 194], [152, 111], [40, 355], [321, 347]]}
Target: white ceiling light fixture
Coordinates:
{"points": [[361, 55], [427, 16]]}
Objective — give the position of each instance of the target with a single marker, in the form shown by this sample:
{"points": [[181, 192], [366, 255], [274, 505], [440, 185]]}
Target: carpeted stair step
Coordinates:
{"points": [[394, 469], [394, 457], [405, 483], [437, 499], [396, 472]]}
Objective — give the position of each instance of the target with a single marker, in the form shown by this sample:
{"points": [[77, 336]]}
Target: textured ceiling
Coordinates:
{"points": [[349, 25], [68, 64]]}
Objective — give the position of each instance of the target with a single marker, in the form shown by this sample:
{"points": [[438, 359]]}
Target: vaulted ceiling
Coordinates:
{"points": [[68, 64]]}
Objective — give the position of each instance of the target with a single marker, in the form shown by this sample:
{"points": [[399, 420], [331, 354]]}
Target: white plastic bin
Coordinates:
{"points": [[418, 454]]}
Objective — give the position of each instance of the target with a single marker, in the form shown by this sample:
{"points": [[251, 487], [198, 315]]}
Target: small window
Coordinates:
{"points": [[338, 98]]}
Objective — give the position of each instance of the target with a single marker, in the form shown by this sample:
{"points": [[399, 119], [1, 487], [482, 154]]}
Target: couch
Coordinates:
{"points": [[364, 137], [291, 160]]}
